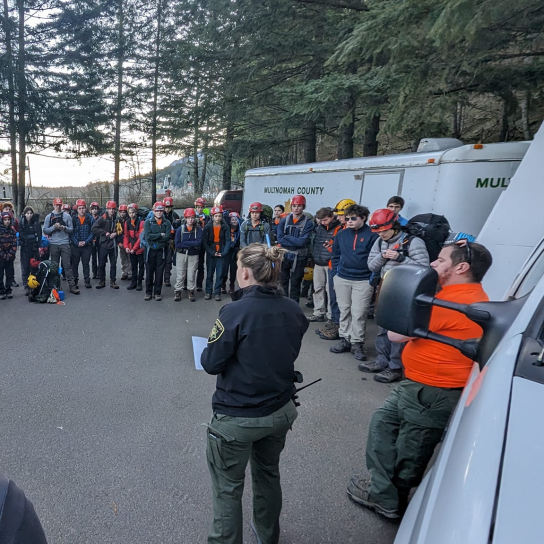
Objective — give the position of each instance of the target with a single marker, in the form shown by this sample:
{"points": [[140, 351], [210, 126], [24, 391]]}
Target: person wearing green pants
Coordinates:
{"points": [[406, 429], [252, 349]]}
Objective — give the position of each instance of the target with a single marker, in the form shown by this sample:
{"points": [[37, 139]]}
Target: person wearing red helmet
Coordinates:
{"points": [[133, 228], [175, 221], [350, 252], [30, 237], [393, 248], [105, 230], [82, 239], [203, 220], [59, 226], [95, 212], [254, 229], [231, 264], [294, 235], [157, 232], [122, 218], [188, 243], [216, 242]]}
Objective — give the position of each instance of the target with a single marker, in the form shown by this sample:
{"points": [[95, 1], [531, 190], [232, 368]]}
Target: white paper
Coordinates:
{"points": [[199, 344]]}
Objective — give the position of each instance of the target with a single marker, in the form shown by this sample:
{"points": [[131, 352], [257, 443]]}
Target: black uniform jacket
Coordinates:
{"points": [[252, 348]]}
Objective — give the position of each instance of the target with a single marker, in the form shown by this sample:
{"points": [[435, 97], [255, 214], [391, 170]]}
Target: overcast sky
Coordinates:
{"points": [[55, 171]]}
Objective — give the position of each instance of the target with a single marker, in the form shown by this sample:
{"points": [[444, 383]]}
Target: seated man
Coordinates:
{"points": [[405, 431]]}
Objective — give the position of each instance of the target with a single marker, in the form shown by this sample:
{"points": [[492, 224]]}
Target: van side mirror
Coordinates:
{"points": [[399, 309]]}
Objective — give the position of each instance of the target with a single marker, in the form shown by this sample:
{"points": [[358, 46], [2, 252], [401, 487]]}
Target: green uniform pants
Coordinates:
{"points": [[402, 437], [232, 442]]}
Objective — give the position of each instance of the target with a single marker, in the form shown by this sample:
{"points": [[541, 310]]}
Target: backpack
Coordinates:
{"points": [[261, 229], [48, 278], [143, 242], [432, 229]]}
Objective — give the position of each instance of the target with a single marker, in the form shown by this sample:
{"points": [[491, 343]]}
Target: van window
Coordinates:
{"points": [[233, 196], [532, 277]]}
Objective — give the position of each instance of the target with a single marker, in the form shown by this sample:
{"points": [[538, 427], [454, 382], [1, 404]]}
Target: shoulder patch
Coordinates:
{"points": [[217, 331]]}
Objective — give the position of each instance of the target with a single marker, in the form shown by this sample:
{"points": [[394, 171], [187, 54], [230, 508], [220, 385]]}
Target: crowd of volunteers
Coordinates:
{"points": [[336, 258]]}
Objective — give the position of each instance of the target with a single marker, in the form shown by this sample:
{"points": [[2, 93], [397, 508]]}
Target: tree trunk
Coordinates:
{"points": [[527, 134], [154, 119], [196, 137], [310, 141], [347, 130], [119, 104], [21, 80], [205, 153], [11, 109], [457, 121], [227, 164], [370, 145]]}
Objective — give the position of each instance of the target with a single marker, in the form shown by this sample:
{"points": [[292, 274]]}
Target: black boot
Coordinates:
{"points": [[139, 286]]}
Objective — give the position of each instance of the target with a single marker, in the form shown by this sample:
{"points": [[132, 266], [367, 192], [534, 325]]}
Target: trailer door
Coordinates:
{"points": [[379, 187]]}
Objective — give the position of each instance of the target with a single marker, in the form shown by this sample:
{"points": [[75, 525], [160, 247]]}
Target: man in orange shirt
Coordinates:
{"points": [[405, 431]]}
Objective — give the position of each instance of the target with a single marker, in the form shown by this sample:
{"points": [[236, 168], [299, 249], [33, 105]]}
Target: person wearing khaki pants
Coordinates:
{"points": [[351, 276]]}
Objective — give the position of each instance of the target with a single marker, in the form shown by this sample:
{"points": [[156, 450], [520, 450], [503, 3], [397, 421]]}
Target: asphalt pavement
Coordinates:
{"points": [[101, 424]]}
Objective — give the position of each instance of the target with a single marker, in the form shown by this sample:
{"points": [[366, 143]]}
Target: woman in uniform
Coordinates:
{"points": [[252, 350]]}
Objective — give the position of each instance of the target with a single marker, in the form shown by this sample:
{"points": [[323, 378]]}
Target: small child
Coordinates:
{"points": [[8, 250]]}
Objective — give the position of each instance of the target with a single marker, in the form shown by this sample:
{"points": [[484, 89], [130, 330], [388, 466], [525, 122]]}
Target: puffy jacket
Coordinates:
{"points": [[350, 252], [153, 233], [295, 237], [323, 239], [105, 224], [188, 241], [82, 232], [412, 250], [30, 234], [252, 349], [8, 243], [255, 235], [131, 238], [224, 239]]}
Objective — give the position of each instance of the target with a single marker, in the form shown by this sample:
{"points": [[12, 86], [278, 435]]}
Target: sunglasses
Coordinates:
{"points": [[468, 250], [352, 218]]}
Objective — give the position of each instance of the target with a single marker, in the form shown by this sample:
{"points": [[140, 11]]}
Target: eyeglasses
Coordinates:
{"points": [[468, 250], [352, 218]]}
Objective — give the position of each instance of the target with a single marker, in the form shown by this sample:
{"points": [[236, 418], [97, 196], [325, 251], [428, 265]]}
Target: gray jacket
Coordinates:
{"points": [[416, 254], [58, 237], [252, 235]]}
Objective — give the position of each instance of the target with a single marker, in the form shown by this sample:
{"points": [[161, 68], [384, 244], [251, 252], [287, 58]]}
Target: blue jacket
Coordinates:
{"points": [[82, 233], [188, 241], [350, 253], [295, 237]]}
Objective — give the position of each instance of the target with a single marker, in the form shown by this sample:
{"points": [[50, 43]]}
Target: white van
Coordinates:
{"points": [[463, 183]]}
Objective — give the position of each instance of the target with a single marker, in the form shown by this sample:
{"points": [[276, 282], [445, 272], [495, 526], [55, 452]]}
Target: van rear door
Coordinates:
{"points": [[378, 187]]}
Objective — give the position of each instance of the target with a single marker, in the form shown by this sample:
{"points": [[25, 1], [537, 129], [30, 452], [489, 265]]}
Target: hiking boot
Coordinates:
{"points": [[199, 289], [359, 351], [341, 347], [88, 284], [74, 290], [3, 296], [131, 287], [207, 296], [316, 318], [373, 367], [310, 304], [231, 288], [76, 283], [124, 277], [139, 286], [358, 491], [113, 285], [325, 327], [158, 298], [177, 296], [218, 298], [101, 285], [192, 296], [147, 297], [167, 283], [389, 375], [330, 333], [9, 295], [14, 284], [95, 277]]}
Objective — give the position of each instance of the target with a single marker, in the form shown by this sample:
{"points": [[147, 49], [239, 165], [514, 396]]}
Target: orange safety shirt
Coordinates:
{"points": [[439, 365], [216, 233]]}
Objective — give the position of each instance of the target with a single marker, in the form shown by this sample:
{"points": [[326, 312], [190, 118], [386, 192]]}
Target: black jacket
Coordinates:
{"points": [[19, 523], [322, 247], [30, 234], [252, 348], [224, 239], [104, 224]]}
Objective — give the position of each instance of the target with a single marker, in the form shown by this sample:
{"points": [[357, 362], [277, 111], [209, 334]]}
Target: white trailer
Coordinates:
{"points": [[462, 183]]}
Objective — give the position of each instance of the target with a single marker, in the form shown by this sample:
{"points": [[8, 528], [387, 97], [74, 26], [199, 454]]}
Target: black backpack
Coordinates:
{"points": [[432, 229]]}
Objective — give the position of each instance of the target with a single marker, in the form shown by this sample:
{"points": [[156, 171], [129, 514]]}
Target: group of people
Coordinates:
{"points": [[254, 405]]}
